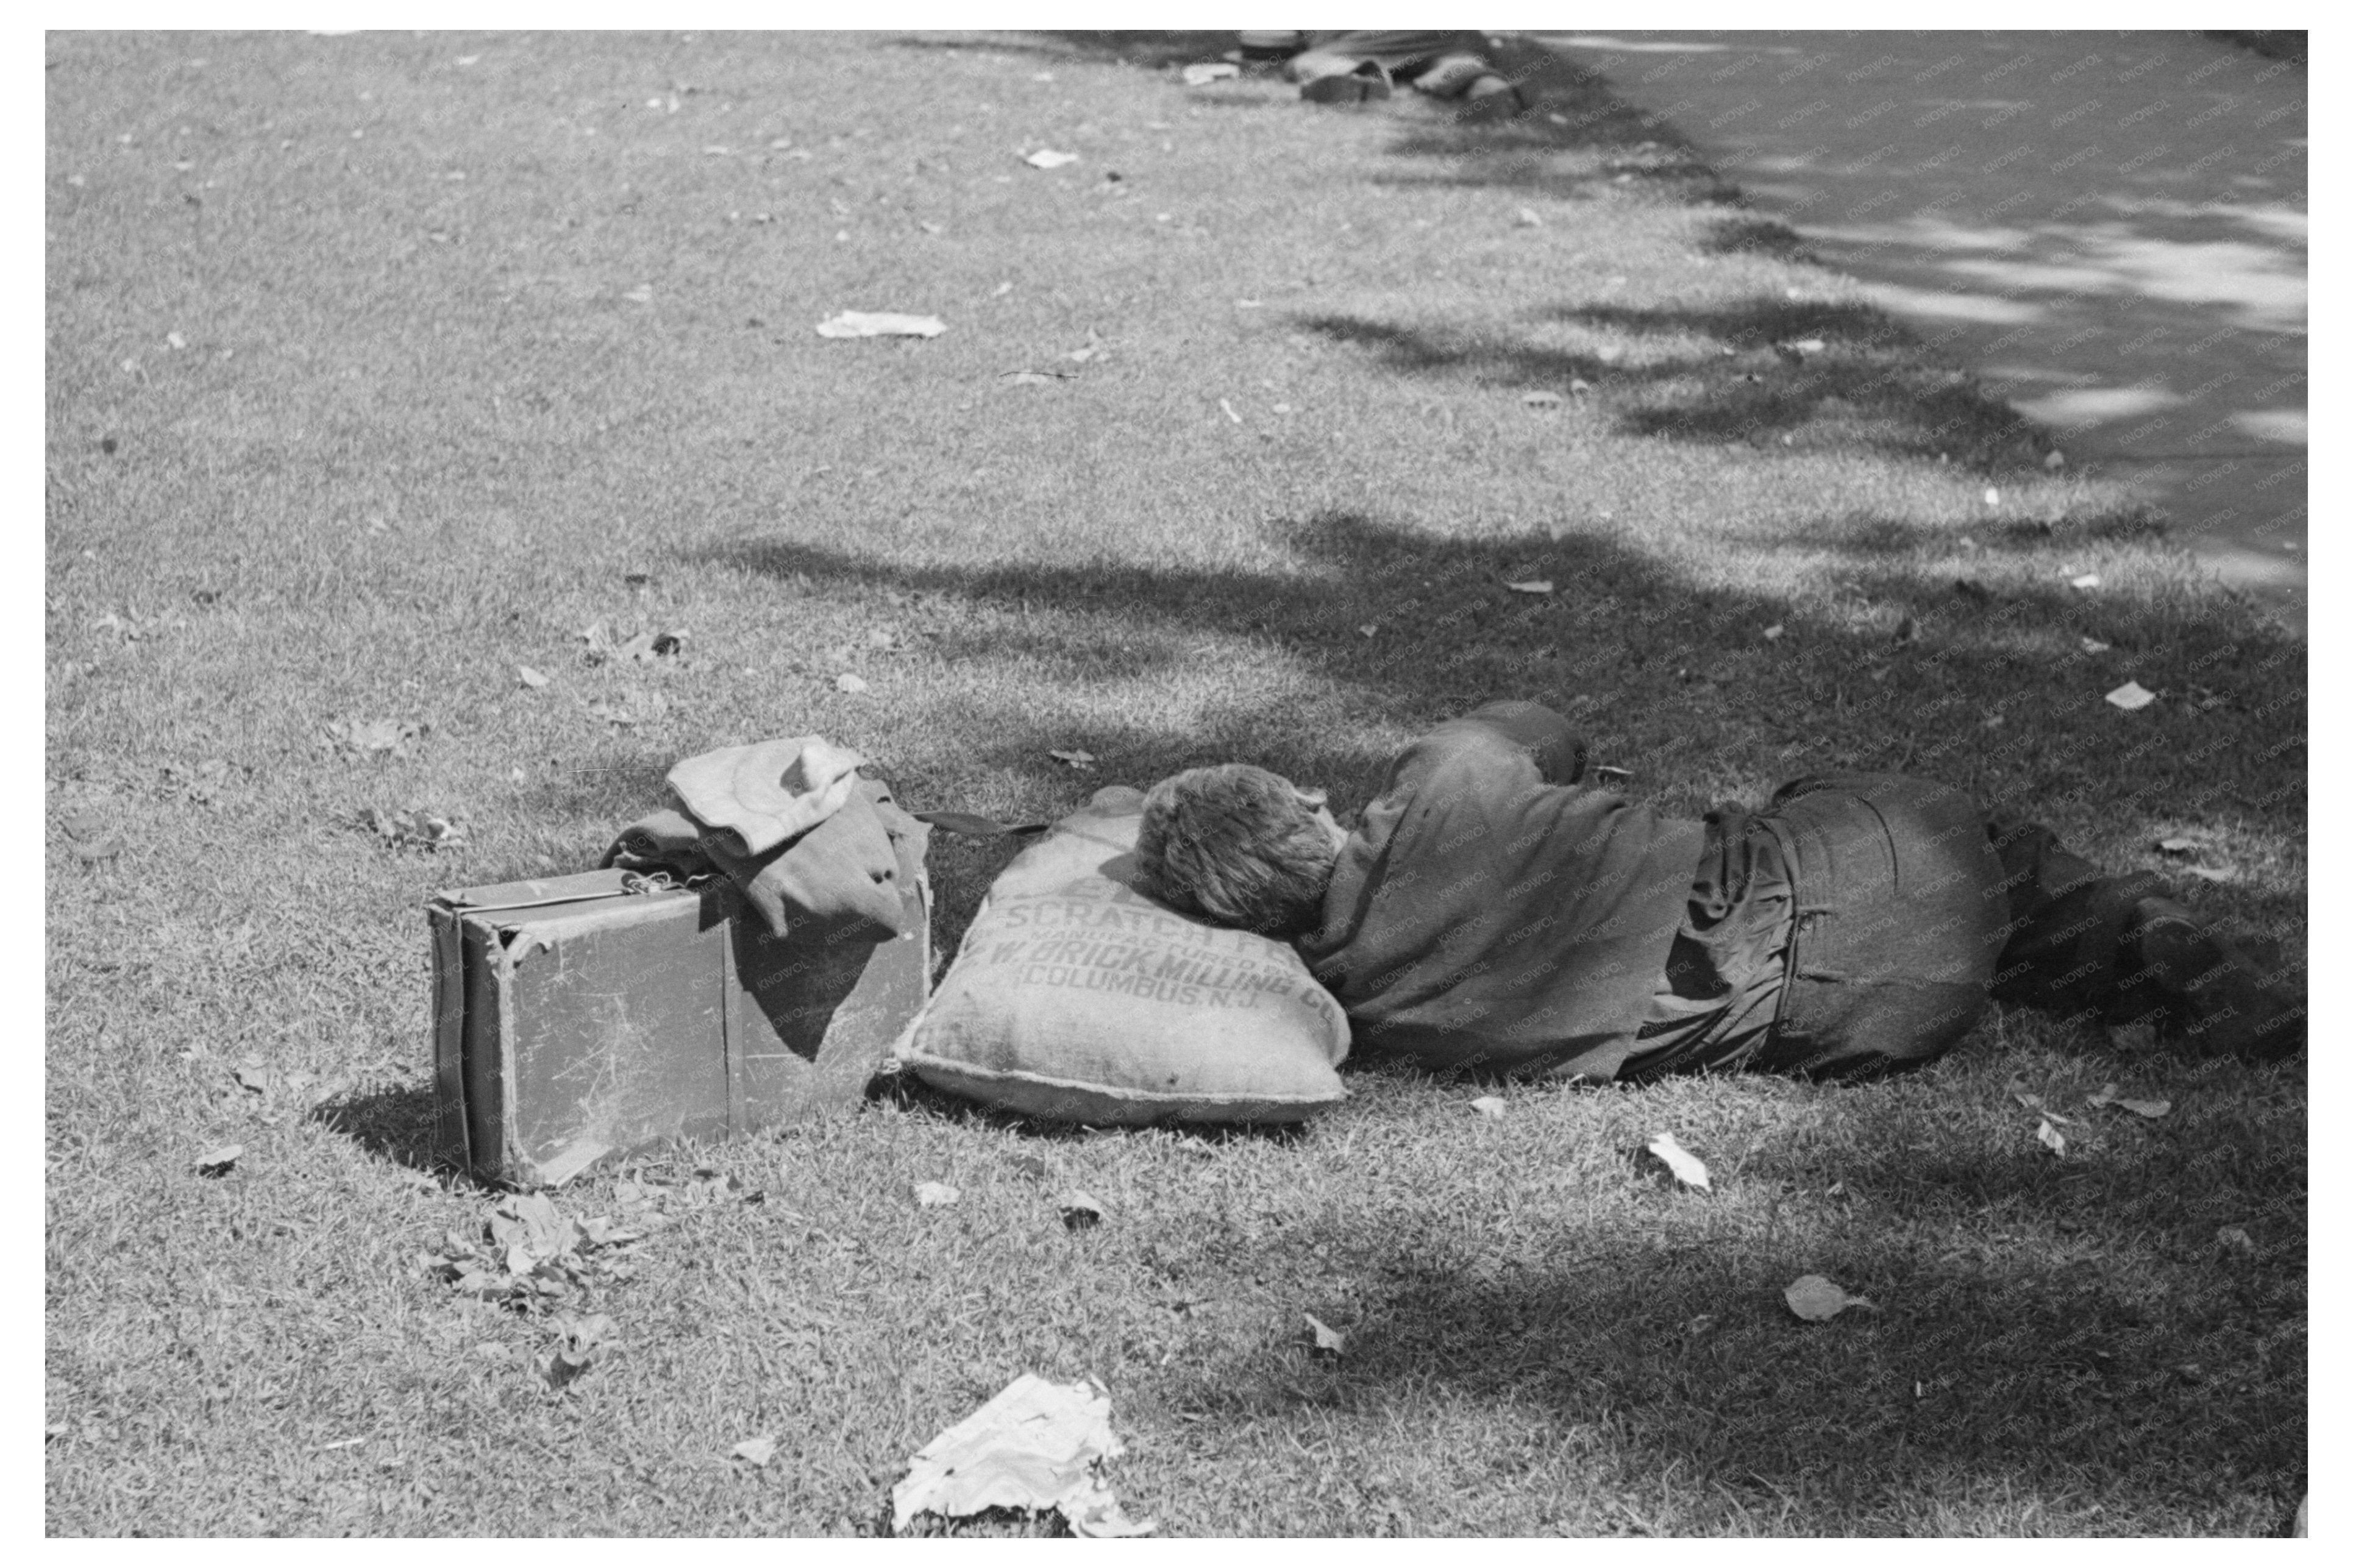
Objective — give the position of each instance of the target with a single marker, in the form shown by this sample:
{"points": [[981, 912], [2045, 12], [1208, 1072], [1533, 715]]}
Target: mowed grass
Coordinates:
{"points": [[416, 430]]}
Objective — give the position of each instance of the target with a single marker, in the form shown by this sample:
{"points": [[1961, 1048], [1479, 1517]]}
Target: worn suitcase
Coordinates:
{"points": [[583, 1016]]}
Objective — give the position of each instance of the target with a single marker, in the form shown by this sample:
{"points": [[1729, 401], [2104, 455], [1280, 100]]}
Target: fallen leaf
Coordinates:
{"points": [[2131, 697], [1992, 495], [2180, 846], [847, 682], [578, 1341], [643, 294], [1527, 217], [1047, 158], [1228, 407], [1033, 377], [879, 324], [1326, 1340], [2093, 645], [1541, 399], [371, 737], [1534, 586], [531, 677], [1687, 1167], [217, 1162], [935, 1194], [1817, 1301], [492, 1350], [2035, 1102], [1773, 633], [2210, 873], [759, 1450], [1368, 628], [1036, 1446], [1081, 760], [2149, 1109], [1208, 71], [2234, 1238], [1080, 1210], [1489, 1106], [175, 339], [256, 1079], [415, 829], [2050, 1138], [2057, 460], [2086, 580]]}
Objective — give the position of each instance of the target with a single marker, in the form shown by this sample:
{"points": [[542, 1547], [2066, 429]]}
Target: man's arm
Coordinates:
{"points": [[1557, 751]]}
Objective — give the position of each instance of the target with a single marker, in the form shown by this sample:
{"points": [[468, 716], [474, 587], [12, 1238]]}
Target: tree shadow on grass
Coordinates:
{"points": [[1674, 680], [1747, 372], [2028, 1350]]}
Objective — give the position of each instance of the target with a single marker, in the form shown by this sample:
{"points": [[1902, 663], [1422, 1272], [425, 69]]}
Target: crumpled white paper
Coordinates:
{"points": [[879, 324], [1035, 1446]]}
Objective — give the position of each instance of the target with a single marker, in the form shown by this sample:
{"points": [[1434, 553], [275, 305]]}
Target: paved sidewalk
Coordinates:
{"points": [[2110, 227]]}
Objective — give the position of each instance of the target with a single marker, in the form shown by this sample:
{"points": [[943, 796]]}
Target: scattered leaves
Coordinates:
{"points": [[2148, 1109], [1325, 1339], [2131, 697], [2035, 1102], [1817, 1301], [1688, 1168], [415, 829], [935, 1194], [527, 1254], [879, 324], [577, 1342]]}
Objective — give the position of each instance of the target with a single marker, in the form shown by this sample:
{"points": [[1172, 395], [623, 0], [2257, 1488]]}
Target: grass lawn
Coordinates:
{"points": [[379, 365]]}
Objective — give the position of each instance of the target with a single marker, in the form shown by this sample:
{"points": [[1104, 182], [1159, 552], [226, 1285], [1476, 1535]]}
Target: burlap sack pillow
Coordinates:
{"points": [[1075, 998]]}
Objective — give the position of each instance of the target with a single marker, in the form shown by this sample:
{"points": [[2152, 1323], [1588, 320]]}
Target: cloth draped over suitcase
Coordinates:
{"points": [[584, 1017], [790, 823]]}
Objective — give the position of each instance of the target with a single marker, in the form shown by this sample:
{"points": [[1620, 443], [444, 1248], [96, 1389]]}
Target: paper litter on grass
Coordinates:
{"points": [[879, 324], [1035, 1446]]}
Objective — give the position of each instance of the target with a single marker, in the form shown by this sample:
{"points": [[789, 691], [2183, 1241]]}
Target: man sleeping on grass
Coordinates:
{"points": [[1492, 912]]}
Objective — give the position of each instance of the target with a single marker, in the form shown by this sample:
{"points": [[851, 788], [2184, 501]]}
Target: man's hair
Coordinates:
{"points": [[1235, 845]]}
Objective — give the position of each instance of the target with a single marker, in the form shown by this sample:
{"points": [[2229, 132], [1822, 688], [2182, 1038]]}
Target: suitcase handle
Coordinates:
{"points": [[628, 884]]}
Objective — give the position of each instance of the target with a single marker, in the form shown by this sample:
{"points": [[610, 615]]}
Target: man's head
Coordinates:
{"points": [[1240, 847]]}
